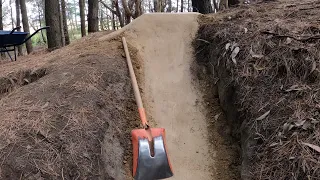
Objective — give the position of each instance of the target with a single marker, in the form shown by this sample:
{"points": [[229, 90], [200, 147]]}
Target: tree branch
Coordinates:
{"points": [[105, 5]]}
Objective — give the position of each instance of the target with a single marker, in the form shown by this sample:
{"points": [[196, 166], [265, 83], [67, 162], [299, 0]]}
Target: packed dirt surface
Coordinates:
{"points": [[162, 43], [68, 114]]}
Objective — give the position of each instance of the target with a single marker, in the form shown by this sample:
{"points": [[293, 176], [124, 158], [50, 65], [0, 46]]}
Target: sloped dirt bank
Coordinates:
{"points": [[264, 59], [67, 114]]}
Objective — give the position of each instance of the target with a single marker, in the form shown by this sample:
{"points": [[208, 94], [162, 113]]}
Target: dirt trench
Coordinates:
{"points": [[177, 100], [74, 121]]}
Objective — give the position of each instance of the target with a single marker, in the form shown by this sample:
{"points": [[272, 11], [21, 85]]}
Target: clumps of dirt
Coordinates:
{"points": [[71, 117], [265, 60], [20, 78]]}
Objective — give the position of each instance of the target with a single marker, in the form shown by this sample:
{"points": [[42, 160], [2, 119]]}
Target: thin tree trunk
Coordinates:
{"points": [[82, 18], [52, 20], [1, 23], [113, 19], [61, 26], [11, 15], [155, 5], [138, 9], [18, 24], [181, 6], [40, 23], [25, 24], [101, 20], [118, 12], [177, 6], [1, 26], [108, 21], [64, 21], [169, 6], [93, 20], [127, 12], [75, 14]]}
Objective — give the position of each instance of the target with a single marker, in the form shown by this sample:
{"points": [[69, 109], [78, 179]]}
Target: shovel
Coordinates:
{"points": [[150, 158]]}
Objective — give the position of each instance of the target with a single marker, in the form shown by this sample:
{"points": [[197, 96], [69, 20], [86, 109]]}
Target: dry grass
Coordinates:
{"points": [[276, 80]]}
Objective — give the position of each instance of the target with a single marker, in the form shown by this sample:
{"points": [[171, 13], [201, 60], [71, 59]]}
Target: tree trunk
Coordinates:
{"points": [[61, 26], [1, 26], [11, 14], [82, 18], [155, 5], [52, 20], [108, 22], [93, 20], [127, 12], [64, 21], [75, 14], [138, 9], [202, 6], [25, 24], [181, 10], [1, 23], [18, 24], [101, 20], [177, 6], [40, 23], [118, 12]]}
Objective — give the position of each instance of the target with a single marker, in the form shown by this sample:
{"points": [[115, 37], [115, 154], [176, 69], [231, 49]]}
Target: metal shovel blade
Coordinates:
{"points": [[156, 167]]}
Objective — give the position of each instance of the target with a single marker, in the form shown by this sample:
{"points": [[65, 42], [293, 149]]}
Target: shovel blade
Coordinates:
{"points": [[145, 166]]}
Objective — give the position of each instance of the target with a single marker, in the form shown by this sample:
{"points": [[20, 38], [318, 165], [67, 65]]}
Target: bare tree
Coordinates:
{"points": [[18, 24], [25, 24], [82, 17], [115, 10], [52, 20], [93, 20], [64, 22]]}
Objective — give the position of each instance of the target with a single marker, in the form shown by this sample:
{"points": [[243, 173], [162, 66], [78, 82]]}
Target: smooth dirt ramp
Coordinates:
{"points": [[164, 44]]}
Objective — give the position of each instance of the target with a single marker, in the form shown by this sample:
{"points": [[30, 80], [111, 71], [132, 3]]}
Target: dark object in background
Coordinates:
{"points": [[10, 39]]}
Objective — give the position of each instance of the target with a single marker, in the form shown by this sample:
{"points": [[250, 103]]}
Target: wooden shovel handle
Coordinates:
{"points": [[135, 86]]}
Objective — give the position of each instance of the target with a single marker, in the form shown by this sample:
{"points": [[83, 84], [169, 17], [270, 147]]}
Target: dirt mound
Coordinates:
{"points": [[67, 114], [265, 60]]}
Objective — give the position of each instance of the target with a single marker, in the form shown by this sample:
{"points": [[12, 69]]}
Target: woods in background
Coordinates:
{"points": [[72, 19]]}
